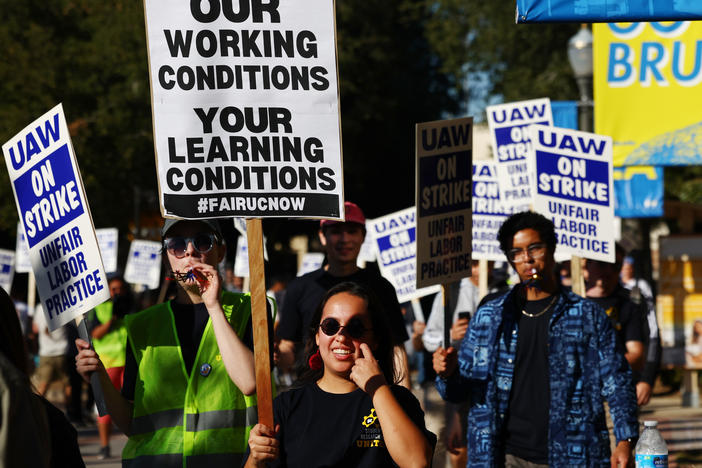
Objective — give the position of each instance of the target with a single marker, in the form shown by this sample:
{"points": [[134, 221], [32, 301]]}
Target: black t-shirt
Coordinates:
{"points": [[190, 322], [306, 292], [627, 316], [526, 427], [320, 429]]}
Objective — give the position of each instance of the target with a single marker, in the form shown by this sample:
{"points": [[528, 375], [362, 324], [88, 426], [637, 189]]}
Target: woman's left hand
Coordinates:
{"points": [[366, 373]]}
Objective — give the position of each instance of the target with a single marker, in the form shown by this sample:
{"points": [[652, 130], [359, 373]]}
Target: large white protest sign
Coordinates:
{"points": [[488, 212], [510, 143], [144, 263], [395, 241], [22, 262], [311, 261], [107, 240], [56, 219], [444, 155], [245, 108], [7, 269], [573, 188]]}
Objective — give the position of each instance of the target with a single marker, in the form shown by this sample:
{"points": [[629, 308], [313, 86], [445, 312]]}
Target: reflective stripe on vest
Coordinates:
{"points": [[155, 421], [172, 407], [221, 419]]}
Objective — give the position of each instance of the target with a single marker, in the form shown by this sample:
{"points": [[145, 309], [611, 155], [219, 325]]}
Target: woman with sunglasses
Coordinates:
{"points": [[348, 411], [189, 374]]}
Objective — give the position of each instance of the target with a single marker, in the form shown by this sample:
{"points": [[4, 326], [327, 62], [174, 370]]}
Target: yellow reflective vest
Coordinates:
{"points": [[180, 419], [112, 346]]}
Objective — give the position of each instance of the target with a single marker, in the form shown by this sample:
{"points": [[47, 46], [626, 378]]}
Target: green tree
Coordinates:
{"points": [[502, 59], [90, 56]]}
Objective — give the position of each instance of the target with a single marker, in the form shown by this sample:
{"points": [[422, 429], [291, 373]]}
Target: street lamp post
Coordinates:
{"points": [[580, 58]]}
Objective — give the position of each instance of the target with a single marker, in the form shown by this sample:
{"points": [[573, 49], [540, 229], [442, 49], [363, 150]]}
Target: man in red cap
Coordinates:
{"points": [[342, 241]]}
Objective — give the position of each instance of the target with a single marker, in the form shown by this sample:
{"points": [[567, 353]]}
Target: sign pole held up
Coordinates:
{"points": [[448, 316], [259, 318]]}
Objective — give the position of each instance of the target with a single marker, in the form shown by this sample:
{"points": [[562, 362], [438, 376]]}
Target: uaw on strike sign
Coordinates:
{"points": [[53, 209], [573, 188], [245, 108], [444, 156]]}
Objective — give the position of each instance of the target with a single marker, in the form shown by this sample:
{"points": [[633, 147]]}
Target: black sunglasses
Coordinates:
{"points": [[177, 246], [354, 328]]}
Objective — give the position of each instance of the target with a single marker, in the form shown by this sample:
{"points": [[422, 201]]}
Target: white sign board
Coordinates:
{"points": [[488, 212], [311, 261], [245, 108], [56, 218], [144, 263], [395, 241], [22, 262], [7, 269], [510, 143], [367, 252], [241, 260], [107, 240], [444, 169], [573, 188]]}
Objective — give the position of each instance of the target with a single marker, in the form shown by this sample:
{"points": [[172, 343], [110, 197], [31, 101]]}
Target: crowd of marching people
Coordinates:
{"points": [[357, 374]]}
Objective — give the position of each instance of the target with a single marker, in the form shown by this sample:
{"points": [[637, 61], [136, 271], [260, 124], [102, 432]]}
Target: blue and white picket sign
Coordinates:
{"points": [[55, 215], [108, 239], [488, 212], [395, 241], [22, 262], [311, 261], [144, 263], [444, 157], [510, 145], [7, 269], [241, 259], [574, 189]]}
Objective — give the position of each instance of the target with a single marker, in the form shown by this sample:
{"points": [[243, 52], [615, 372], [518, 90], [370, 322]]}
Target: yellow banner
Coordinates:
{"points": [[648, 91]]}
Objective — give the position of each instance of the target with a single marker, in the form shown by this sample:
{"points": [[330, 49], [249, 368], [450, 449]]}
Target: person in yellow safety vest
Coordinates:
{"points": [[188, 395], [109, 333]]}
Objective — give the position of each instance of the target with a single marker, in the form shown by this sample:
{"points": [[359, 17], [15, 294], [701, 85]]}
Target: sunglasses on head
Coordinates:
{"points": [[354, 328], [177, 245]]}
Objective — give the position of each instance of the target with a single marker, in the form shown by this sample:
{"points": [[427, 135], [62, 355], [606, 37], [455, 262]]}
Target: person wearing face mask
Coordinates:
{"points": [[535, 365], [189, 383], [348, 410]]}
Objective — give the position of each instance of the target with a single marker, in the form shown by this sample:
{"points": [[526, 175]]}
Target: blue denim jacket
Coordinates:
{"points": [[585, 368]]}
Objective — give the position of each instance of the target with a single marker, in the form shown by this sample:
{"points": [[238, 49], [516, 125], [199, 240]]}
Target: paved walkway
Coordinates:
{"points": [[681, 427]]}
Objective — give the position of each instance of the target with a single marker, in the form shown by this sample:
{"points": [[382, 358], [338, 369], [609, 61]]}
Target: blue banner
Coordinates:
{"points": [[607, 11], [639, 191]]}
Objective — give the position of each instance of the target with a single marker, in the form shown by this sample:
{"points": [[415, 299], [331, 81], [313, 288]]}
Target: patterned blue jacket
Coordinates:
{"points": [[585, 368]]}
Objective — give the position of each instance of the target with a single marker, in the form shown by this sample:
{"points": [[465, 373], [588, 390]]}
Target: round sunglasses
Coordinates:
{"points": [[354, 328], [177, 245]]}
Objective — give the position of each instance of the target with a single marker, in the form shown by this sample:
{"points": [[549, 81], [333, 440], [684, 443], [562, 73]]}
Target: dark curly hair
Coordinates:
{"points": [[381, 332], [527, 220]]}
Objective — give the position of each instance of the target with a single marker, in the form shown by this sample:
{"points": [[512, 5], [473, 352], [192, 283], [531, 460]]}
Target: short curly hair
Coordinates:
{"points": [[526, 220]]}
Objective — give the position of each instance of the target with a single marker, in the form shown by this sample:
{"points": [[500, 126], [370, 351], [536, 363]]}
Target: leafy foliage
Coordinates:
{"points": [[515, 61], [91, 56]]}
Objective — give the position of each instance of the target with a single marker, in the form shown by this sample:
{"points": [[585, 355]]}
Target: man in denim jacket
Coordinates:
{"points": [[537, 365]]}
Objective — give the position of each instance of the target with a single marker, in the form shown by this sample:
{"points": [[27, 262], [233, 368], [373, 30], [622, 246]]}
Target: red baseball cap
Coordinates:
{"points": [[352, 214]]}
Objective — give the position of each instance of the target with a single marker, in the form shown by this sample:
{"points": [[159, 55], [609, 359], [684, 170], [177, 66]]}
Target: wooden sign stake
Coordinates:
{"points": [[259, 318], [576, 276]]}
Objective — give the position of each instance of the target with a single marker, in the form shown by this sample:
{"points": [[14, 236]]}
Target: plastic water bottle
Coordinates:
{"points": [[651, 450]]}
